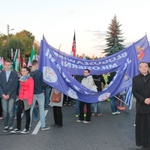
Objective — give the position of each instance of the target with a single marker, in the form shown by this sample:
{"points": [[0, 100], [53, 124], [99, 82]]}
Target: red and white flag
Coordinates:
{"points": [[12, 54], [74, 46], [24, 62]]}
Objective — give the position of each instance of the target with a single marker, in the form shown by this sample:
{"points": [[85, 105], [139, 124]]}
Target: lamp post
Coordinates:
{"points": [[8, 30]]}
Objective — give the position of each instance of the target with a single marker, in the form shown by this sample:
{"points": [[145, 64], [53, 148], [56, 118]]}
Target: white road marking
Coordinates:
{"points": [[37, 128]]}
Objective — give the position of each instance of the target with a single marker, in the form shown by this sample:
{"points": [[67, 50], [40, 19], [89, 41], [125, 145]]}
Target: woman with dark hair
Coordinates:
{"points": [[88, 82], [25, 99]]}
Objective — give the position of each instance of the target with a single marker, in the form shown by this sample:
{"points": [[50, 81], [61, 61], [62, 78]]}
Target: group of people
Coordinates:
{"points": [[29, 90], [140, 90]]}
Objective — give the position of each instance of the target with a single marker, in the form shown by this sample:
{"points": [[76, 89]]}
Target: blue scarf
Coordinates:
{"points": [[86, 76], [23, 79]]}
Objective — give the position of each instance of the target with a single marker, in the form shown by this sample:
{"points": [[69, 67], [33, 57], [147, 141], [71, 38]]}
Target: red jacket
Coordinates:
{"points": [[26, 90]]}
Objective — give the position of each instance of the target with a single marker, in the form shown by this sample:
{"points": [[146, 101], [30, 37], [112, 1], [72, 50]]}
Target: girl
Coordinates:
{"points": [[25, 99]]}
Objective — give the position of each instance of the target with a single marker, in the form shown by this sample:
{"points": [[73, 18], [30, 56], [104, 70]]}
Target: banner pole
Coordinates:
{"points": [[120, 100]]}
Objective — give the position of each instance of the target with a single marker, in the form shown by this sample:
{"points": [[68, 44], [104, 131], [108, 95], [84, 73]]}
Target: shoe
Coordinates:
{"points": [[86, 122], [53, 125], [121, 108], [117, 113], [45, 128], [46, 107], [113, 113], [6, 129], [15, 131], [76, 116], [98, 115], [58, 126], [92, 114], [10, 128], [1, 117], [79, 120], [24, 131], [140, 147], [35, 119]]}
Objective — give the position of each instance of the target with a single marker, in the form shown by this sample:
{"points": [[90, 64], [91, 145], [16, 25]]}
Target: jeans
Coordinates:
{"points": [[96, 108], [114, 104], [8, 113], [122, 97], [47, 95], [15, 109], [1, 108], [40, 99], [35, 112], [77, 110], [27, 115]]}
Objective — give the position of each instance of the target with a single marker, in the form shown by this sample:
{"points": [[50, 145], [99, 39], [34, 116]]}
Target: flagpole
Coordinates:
{"points": [[120, 100]]}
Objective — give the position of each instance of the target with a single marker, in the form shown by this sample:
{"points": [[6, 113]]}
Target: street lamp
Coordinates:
{"points": [[8, 30]]}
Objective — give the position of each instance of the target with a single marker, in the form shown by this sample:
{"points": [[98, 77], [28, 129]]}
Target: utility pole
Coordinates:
{"points": [[8, 33], [8, 30]]}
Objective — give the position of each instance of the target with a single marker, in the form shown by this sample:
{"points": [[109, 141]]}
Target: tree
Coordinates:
{"points": [[114, 38], [23, 40], [14, 43], [27, 38], [3, 40]]}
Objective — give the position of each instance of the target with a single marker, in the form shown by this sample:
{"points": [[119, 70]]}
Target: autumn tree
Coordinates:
{"points": [[14, 43], [23, 40], [27, 38]]}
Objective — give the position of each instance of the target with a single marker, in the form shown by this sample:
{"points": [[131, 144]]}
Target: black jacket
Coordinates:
{"points": [[141, 91], [37, 76]]}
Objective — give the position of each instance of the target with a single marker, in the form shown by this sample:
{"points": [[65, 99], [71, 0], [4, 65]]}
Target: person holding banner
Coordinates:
{"points": [[141, 91], [100, 83], [87, 81], [113, 100]]}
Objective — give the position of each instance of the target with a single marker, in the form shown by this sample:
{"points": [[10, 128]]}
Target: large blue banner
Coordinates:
{"points": [[58, 69]]}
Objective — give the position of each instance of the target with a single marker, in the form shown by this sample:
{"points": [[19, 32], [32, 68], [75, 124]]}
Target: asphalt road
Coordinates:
{"points": [[108, 132]]}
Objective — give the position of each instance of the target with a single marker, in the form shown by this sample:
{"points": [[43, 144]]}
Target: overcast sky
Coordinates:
{"points": [[57, 20]]}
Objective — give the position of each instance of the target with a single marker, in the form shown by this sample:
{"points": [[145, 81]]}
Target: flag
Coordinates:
{"points": [[143, 49], [129, 97], [15, 57], [24, 62], [1, 63], [16, 61], [37, 57], [93, 57], [59, 46], [12, 54], [32, 57], [74, 46]]}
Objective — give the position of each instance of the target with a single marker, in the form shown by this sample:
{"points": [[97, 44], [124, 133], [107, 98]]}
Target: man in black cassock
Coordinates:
{"points": [[141, 91]]}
